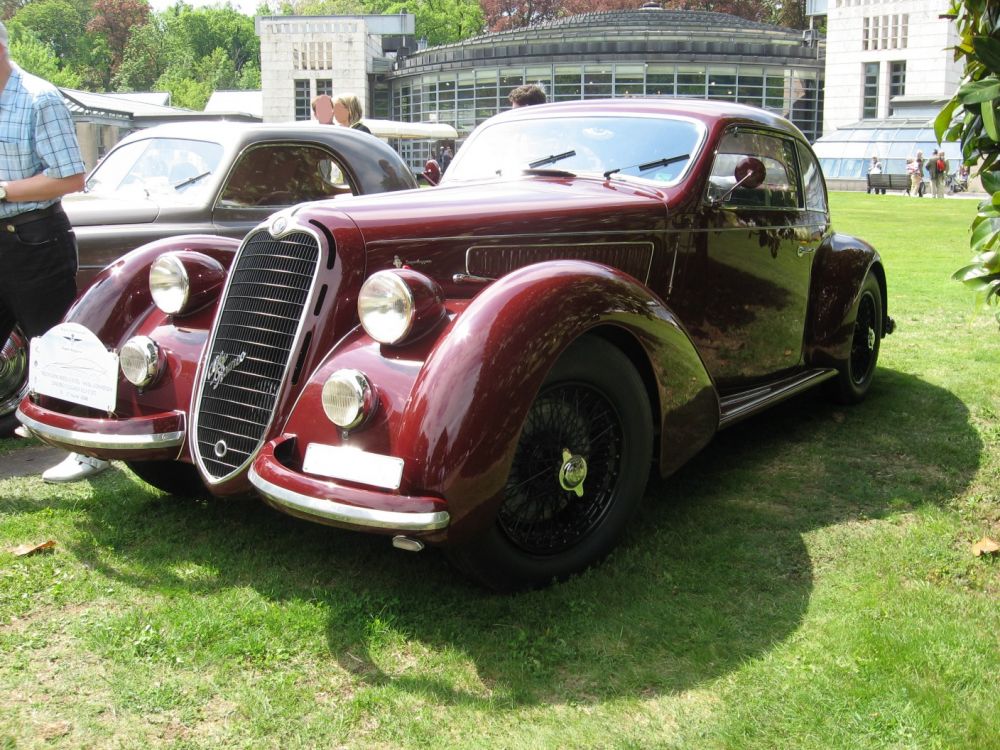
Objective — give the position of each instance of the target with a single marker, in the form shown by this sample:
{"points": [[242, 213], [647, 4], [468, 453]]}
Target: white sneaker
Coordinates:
{"points": [[22, 431], [74, 468]]}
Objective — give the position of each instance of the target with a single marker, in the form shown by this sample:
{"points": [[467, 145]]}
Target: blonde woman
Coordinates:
{"points": [[347, 112]]}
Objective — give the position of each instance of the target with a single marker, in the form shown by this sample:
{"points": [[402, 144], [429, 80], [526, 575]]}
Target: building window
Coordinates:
{"points": [[303, 108], [324, 86], [897, 81], [869, 107]]}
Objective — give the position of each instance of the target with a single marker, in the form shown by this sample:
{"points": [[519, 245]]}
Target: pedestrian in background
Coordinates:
{"points": [[40, 162], [937, 168], [917, 176], [525, 96], [347, 112], [875, 168]]}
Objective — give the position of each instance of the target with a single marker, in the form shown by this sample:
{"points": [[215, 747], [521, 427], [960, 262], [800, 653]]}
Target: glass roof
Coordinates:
{"points": [[846, 153]]}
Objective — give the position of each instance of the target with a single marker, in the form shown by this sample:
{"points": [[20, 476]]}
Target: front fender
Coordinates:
{"points": [[118, 298], [470, 399], [838, 273]]}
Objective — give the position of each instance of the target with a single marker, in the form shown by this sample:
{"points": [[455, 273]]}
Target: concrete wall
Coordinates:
{"points": [[931, 72], [310, 48]]}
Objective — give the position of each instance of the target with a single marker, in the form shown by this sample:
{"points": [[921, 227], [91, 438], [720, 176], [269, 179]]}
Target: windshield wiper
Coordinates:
{"points": [[189, 180], [666, 162], [550, 159]]}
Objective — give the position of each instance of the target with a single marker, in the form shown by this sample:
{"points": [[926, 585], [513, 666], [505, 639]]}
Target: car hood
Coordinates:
{"points": [[86, 210], [531, 205]]}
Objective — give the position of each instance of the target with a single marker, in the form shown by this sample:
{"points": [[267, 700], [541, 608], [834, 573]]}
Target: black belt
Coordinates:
{"points": [[11, 223]]}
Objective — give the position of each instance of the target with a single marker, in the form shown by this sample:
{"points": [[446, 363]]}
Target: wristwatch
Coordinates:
{"points": [[3, 192]]}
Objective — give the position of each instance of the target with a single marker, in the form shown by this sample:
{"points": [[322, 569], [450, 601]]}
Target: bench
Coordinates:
{"points": [[889, 181]]}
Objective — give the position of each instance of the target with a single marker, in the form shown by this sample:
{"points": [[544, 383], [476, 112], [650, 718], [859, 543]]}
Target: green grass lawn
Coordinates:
{"points": [[805, 582]]}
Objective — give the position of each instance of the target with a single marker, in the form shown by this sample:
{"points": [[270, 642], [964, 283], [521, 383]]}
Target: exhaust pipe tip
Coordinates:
{"points": [[407, 544]]}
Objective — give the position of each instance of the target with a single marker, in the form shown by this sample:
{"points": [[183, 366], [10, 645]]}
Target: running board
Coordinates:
{"points": [[737, 406]]}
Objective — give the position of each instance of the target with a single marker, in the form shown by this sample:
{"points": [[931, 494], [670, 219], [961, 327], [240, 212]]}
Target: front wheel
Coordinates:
{"points": [[578, 474], [854, 375], [13, 379]]}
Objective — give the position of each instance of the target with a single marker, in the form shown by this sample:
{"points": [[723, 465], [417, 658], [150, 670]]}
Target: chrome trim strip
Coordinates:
{"points": [[114, 442], [735, 408], [349, 514]]}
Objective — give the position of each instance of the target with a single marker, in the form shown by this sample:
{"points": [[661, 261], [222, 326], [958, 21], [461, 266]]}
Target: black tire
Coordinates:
{"points": [[172, 477], [854, 375], [13, 379], [592, 407]]}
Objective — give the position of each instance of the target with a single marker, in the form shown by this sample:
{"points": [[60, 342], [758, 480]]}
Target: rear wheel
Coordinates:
{"points": [[13, 380], [854, 376], [578, 474], [172, 477]]}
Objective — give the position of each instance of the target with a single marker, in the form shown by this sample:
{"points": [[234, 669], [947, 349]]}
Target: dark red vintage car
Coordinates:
{"points": [[219, 178], [492, 365]]}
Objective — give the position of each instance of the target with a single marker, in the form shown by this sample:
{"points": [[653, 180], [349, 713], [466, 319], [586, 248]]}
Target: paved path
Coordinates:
{"points": [[34, 459]]}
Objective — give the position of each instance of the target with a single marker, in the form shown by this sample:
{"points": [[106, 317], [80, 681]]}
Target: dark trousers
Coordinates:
{"points": [[38, 262]]}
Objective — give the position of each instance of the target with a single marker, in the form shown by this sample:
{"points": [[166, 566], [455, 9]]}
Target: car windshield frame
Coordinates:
{"points": [[578, 144], [167, 170]]}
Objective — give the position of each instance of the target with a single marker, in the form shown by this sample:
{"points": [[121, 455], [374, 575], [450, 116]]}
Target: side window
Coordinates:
{"points": [[283, 175], [812, 179], [780, 188]]}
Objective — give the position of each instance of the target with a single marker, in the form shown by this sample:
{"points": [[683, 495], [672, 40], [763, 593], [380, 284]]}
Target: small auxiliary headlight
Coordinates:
{"points": [[140, 360], [385, 307], [348, 398], [168, 283]]}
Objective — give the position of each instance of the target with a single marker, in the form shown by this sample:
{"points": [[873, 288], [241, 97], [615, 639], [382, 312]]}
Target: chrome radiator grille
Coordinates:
{"points": [[251, 348]]}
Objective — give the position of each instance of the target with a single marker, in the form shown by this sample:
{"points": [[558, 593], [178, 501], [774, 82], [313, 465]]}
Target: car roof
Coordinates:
{"points": [[705, 110]]}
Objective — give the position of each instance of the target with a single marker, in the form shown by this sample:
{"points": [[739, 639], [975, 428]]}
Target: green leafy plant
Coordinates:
{"points": [[971, 117]]}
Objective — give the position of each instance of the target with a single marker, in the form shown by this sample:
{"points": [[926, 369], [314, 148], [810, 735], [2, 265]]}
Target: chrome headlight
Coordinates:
{"points": [[141, 360], [348, 398], [397, 305], [169, 284], [385, 307]]}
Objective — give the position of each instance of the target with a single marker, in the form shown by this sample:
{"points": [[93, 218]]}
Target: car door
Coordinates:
{"points": [[267, 177], [744, 296]]}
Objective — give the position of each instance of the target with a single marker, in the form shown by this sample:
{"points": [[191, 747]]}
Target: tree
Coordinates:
{"points": [[38, 58], [114, 20], [56, 23], [438, 21], [972, 117]]}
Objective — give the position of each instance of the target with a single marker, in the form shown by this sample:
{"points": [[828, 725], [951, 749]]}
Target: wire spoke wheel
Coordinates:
{"points": [[863, 346], [570, 420]]}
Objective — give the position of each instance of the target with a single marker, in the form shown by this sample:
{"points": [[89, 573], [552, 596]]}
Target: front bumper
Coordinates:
{"points": [[338, 504], [153, 437]]}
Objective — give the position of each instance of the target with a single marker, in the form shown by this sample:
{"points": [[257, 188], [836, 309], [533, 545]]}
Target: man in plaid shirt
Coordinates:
{"points": [[39, 163]]}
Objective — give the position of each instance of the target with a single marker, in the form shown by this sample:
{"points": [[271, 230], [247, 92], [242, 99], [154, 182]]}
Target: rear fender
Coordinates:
{"points": [[470, 399], [118, 299], [838, 273]]}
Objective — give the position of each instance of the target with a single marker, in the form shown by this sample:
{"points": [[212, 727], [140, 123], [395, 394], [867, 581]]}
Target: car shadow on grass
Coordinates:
{"points": [[714, 572]]}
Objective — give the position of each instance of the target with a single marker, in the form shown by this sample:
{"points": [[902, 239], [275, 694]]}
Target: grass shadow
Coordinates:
{"points": [[714, 572]]}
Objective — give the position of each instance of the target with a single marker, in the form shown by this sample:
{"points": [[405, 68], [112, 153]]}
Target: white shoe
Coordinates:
{"points": [[74, 468], [22, 431]]}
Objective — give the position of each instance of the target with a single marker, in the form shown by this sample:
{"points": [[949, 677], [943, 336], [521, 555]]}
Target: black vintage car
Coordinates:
{"points": [[218, 178]]}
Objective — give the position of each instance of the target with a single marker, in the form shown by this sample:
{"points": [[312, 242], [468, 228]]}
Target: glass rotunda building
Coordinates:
{"points": [[647, 52]]}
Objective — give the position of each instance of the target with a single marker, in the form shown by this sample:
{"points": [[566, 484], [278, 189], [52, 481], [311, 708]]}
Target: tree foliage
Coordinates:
{"points": [[972, 117], [38, 58], [114, 20]]}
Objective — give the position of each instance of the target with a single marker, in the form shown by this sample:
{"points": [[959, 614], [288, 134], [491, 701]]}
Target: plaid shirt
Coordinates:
{"points": [[36, 135]]}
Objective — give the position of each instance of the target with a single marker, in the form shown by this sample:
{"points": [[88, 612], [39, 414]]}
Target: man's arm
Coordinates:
{"points": [[41, 187]]}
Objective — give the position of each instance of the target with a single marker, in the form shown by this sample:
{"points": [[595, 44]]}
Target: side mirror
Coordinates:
{"points": [[749, 173]]}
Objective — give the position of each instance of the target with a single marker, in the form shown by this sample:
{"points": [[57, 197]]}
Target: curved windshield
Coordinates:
{"points": [[170, 170], [653, 148]]}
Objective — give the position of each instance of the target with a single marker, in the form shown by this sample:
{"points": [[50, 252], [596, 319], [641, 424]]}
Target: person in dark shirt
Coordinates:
{"points": [[347, 112]]}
